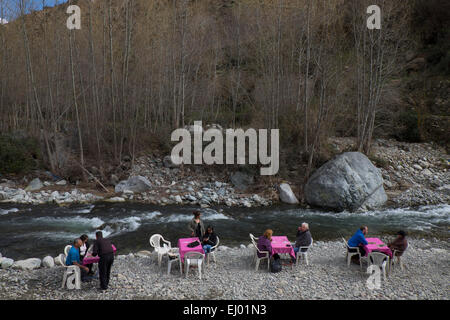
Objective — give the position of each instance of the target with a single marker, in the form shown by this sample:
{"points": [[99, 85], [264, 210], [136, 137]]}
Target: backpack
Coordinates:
{"points": [[275, 266]]}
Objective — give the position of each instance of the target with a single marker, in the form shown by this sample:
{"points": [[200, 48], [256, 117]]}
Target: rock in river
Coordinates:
{"points": [[347, 182]]}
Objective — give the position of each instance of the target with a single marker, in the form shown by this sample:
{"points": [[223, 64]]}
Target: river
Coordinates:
{"points": [[36, 231]]}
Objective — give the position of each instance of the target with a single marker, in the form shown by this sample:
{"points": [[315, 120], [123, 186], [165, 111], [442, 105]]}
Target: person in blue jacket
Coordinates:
{"points": [[359, 240], [73, 258]]}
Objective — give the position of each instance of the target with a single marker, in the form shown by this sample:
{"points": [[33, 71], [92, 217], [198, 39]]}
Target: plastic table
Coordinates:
{"points": [[182, 245]]}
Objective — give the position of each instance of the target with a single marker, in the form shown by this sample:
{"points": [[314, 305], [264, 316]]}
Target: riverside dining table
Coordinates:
{"points": [[281, 244], [182, 245], [89, 258], [375, 244]]}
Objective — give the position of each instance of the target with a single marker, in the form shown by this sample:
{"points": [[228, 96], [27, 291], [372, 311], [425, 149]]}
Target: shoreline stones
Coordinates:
{"points": [[28, 264], [48, 262], [6, 262], [234, 277]]}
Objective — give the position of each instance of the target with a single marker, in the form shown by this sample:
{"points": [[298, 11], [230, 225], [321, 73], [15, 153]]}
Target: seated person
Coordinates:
{"points": [[303, 238], [264, 244], [84, 250], [73, 258], [358, 240], [399, 244], [209, 239]]}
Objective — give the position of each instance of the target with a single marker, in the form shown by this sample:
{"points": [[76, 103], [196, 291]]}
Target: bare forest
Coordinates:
{"points": [[137, 69]]}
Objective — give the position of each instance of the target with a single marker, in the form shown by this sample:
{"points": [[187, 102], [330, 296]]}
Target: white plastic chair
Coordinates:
{"points": [[349, 254], [72, 275], [155, 242], [253, 238], [213, 252], [173, 256], [379, 259], [258, 259], [193, 258], [305, 253], [66, 249]]}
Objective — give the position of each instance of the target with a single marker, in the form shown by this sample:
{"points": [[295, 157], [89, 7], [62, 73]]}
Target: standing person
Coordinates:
{"points": [[359, 240], [303, 238], [73, 258], [103, 248], [399, 244], [83, 251], [209, 239], [196, 226]]}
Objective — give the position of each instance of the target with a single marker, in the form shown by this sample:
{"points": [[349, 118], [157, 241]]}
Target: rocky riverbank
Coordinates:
{"points": [[414, 174], [136, 276]]}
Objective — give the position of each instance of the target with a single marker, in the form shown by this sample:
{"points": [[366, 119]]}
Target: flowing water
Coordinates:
{"points": [[36, 231]]}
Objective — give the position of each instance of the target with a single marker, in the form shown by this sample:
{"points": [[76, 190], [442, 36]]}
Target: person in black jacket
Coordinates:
{"points": [[303, 238], [209, 239], [103, 248]]}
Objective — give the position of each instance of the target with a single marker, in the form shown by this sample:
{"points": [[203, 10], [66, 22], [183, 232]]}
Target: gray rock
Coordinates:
{"points": [[34, 185], [61, 183], [48, 262], [28, 264], [286, 194], [114, 179], [6, 263], [134, 183], [241, 180], [168, 163], [445, 189], [115, 199], [347, 182]]}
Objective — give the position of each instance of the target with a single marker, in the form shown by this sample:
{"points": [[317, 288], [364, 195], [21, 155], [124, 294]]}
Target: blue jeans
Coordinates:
{"points": [[207, 248], [296, 249]]}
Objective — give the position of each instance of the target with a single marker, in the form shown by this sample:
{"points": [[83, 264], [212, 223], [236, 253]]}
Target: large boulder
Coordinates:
{"points": [[348, 182], [241, 180], [6, 263], [134, 183], [28, 264], [48, 262], [34, 185], [286, 194]]}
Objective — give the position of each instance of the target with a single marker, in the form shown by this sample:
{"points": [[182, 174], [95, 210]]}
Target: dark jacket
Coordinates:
{"points": [[399, 244], [264, 244], [193, 228], [101, 247], [303, 238], [212, 239]]}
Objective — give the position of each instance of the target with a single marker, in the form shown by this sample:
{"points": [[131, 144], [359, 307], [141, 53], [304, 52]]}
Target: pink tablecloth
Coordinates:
{"points": [[182, 245], [279, 246], [376, 247], [88, 259]]}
